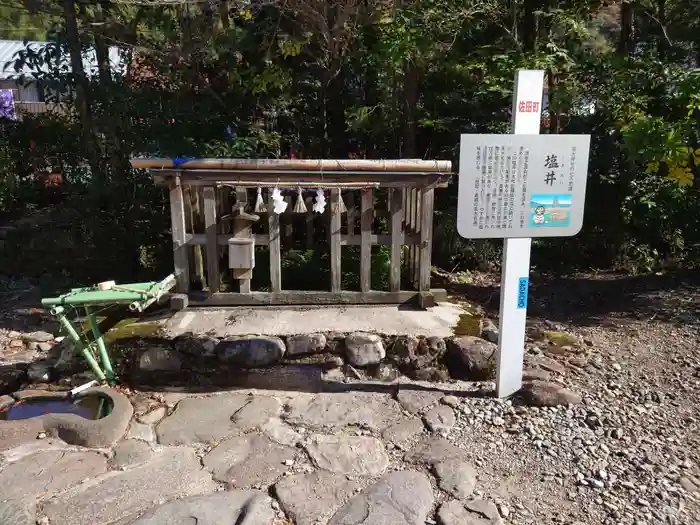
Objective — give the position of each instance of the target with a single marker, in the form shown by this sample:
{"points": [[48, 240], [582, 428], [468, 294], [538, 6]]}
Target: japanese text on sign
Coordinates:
{"points": [[522, 186], [528, 106]]}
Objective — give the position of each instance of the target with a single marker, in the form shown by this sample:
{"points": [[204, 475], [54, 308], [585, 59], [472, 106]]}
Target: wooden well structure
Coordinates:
{"points": [[215, 228]]}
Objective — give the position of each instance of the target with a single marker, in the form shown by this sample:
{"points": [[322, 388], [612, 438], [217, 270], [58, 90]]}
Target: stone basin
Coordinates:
{"points": [[66, 421]]}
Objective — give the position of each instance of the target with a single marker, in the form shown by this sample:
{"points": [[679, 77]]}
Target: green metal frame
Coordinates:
{"points": [[138, 297]]}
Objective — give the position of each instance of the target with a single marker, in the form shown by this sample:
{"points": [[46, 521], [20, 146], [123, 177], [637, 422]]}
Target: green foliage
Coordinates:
{"points": [[368, 80]]}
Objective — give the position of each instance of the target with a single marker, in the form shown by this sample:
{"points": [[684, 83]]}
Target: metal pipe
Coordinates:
{"points": [[59, 312], [101, 348], [410, 165]]}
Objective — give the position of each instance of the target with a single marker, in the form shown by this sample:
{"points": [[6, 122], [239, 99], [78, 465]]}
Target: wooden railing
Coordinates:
{"points": [[215, 225]]}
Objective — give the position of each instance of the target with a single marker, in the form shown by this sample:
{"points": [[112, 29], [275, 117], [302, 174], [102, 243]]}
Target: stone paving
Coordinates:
{"points": [[253, 458]]}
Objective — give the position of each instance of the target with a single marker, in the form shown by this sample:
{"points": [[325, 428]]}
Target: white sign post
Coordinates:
{"points": [[515, 268], [516, 187]]}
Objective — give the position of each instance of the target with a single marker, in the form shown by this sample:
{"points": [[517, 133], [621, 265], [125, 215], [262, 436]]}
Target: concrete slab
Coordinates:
{"points": [[389, 320]]}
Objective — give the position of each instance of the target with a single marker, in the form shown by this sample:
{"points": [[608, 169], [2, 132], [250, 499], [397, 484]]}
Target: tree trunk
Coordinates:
{"points": [[626, 44], [410, 104], [81, 86], [531, 23]]}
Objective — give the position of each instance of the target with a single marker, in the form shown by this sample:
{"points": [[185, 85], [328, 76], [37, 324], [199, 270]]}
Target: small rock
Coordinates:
{"points": [[642, 502], [289, 462], [195, 345], [305, 344], [333, 362], [16, 343], [489, 331], [505, 511], [41, 435], [616, 367], [596, 483], [550, 365], [688, 485], [541, 393], [450, 401], [39, 372], [159, 359], [364, 349], [38, 337], [349, 455], [499, 421], [471, 358], [440, 418]]}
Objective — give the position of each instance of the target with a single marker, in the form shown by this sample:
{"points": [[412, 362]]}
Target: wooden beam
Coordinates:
{"points": [[426, 236], [396, 213], [293, 297], [177, 220], [213, 277], [303, 179], [366, 218], [262, 239], [336, 247], [273, 221]]}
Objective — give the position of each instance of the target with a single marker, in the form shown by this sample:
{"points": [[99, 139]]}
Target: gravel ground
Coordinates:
{"points": [[630, 452]]}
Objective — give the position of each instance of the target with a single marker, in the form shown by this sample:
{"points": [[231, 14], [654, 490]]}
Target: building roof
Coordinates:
{"points": [[10, 48]]}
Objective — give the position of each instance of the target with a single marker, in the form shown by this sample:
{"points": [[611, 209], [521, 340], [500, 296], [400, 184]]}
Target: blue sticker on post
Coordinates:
{"points": [[522, 293]]}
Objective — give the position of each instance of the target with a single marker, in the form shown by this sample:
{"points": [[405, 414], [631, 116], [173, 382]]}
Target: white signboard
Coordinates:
{"points": [[514, 186]]}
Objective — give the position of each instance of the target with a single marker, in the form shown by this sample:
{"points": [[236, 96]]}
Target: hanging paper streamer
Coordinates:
{"points": [[260, 203], [299, 207], [341, 205], [278, 204], [320, 204]]}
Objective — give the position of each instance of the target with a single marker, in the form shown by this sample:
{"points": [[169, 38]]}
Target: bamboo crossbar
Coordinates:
{"points": [[321, 165]]}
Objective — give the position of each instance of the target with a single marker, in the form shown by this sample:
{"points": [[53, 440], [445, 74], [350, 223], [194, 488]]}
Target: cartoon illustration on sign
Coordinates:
{"points": [[550, 210]]}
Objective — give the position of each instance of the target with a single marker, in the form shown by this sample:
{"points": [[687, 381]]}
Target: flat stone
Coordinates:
{"points": [[131, 452], [280, 432], [46, 472], [11, 378], [471, 358], [243, 507], [171, 473], [141, 431], [16, 433], [416, 401], [44, 347], [440, 418], [310, 499], [541, 393], [688, 485], [160, 360], [305, 344], [363, 349], [38, 337], [39, 372], [549, 364], [431, 450], [248, 460], [374, 411], [455, 477], [251, 351], [16, 513], [403, 432], [350, 455], [450, 401], [201, 420], [256, 412], [477, 512], [399, 498], [153, 416]]}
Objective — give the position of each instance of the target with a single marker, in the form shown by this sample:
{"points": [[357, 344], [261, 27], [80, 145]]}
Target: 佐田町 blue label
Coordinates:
{"points": [[522, 292]]}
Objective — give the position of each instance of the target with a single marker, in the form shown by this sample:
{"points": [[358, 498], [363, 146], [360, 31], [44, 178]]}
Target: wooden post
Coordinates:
{"points": [[177, 219], [213, 278], [418, 228], [367, 205], [242, 228], [275, 247], [426, 245], [396, 213], [309, 222], [335, 234], [350, 218]]}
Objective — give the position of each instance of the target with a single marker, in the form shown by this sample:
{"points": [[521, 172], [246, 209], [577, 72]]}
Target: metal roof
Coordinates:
{"points": [[10, 48]]}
